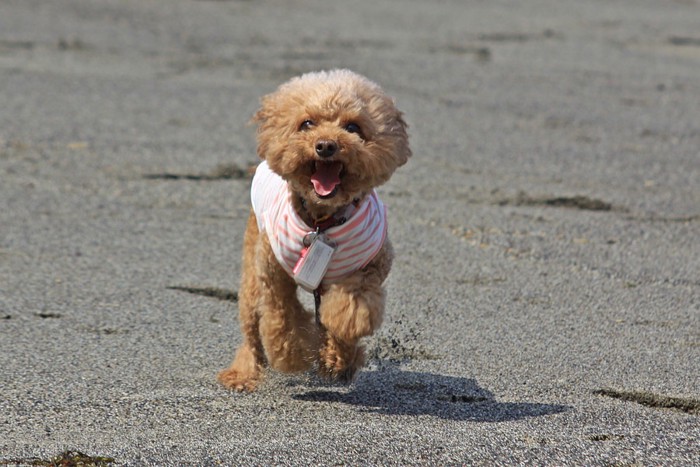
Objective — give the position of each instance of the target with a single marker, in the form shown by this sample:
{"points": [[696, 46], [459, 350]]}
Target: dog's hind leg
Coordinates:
{"points": [[246, 370]]}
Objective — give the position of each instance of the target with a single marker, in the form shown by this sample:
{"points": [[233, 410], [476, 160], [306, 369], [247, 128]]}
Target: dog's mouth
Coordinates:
{"points": [[326, 178]]}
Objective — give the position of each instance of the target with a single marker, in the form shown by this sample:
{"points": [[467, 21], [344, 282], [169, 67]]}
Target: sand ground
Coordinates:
{"points": [[544, 306]]}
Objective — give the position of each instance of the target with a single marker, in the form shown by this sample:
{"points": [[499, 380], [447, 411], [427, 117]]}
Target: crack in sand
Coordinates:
{"points": [[649, 399]]}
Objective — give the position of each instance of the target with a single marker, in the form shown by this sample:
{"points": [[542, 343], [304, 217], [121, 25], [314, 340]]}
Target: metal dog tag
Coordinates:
{"points": [[313, 262], [309, 238]]}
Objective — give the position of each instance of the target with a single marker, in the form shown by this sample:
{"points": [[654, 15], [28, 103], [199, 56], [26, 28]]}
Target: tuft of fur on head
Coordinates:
{"points": [[338, 106]]}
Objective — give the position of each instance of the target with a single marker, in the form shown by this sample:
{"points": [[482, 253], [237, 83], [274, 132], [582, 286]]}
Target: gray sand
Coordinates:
{"points": [[544, 306]]}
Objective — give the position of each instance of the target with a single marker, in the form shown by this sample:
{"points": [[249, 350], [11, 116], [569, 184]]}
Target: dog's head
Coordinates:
{"points": [[333, 136]]}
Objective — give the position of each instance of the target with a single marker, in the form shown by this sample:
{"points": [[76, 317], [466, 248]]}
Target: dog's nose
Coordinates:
{"points": [[326, 147]]}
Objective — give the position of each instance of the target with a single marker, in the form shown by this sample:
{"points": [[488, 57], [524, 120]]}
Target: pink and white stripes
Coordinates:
{"points": [[357, 241]]}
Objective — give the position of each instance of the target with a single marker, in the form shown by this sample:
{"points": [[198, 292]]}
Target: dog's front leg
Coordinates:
{"points": [[349, 311], [288, 334]]}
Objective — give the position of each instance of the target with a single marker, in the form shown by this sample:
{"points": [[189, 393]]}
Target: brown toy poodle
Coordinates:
{"points": [[327, 139]]}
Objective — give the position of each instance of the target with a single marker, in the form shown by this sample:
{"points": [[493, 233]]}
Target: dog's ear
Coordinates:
{"points": [[264, 112], [264, 119], [399, 130]]}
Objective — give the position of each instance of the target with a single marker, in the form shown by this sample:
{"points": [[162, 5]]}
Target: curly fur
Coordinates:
{"points": [[276, 329]]}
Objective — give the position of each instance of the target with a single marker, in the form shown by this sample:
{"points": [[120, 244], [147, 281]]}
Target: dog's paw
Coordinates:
{"points": [[233, 379], [339, 364]]}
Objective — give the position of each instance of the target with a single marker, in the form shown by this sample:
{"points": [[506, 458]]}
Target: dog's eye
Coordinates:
{"points": [[305, 125], [353, 128]]}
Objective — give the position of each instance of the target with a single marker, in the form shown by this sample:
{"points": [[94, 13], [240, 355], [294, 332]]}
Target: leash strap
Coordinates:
{"points": [[317, 303]]}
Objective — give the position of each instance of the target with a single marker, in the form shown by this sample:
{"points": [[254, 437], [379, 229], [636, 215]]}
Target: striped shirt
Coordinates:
{"points": [[357, 241]]}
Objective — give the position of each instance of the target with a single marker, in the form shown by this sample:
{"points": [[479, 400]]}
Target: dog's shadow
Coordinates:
{"points": [[392, 391]]}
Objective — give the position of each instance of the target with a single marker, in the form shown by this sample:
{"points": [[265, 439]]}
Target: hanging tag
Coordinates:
{"points": [[313, 262]]}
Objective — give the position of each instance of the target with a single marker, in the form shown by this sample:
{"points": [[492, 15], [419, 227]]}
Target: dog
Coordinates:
{"points": [[327, 139]]}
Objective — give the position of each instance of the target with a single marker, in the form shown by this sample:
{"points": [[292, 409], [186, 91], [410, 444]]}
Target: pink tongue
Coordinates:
{"points": [[326, 177]]}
